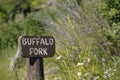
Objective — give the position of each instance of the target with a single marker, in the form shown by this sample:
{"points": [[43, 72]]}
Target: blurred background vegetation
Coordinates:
{"points": [[87, 34]]}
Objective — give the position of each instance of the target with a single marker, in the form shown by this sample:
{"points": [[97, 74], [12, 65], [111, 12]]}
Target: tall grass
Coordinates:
{"points": [[81, 46], [82, 49], [5, 72]]}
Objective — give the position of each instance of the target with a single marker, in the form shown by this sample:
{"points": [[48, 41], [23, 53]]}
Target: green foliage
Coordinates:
{"points": [[84, 41], [8, 7], [32, 26], [83, 49], [35, 3], [110, 9], [9, 33], [11, 8]]}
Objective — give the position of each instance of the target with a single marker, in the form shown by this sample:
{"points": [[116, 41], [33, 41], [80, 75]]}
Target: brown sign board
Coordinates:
{"points": [[37, 46]]}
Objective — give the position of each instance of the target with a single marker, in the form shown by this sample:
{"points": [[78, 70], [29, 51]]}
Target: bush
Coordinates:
{"points": [[9, 33]]}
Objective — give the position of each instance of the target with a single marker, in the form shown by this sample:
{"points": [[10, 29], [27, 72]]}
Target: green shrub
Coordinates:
{"points": [[9, 33]]}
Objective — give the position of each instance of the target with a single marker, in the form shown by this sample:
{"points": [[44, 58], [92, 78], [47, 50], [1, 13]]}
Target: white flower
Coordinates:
{"points": [[79, 74], [107, 73], [80, 64], [103, 59], [115, 70], [59, 57], [57, 78], [88, 60], [86, 74], [96, 78]]}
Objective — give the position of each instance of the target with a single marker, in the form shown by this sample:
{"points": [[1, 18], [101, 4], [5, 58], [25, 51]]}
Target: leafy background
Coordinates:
{"points": [[87, 35]]}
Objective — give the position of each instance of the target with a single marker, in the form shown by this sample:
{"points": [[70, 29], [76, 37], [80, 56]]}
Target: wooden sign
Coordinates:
{"points": [[37, 46]]}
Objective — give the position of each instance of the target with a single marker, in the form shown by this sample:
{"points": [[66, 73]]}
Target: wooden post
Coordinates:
{"points": [[34, 49], [35, 69]]}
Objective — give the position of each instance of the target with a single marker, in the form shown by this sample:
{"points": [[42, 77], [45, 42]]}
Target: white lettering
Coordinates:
{"points": [[29, 41], [42, 42], [46, 43], [35, 51], [37, 41], [24, 42], [51, 41], [45, 51], [38, 51], [31, 51], [33, 41]]}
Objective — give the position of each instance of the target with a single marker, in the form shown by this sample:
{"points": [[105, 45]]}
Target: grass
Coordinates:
{"points": [[5, 72], [82, 50], [79, 39]]}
